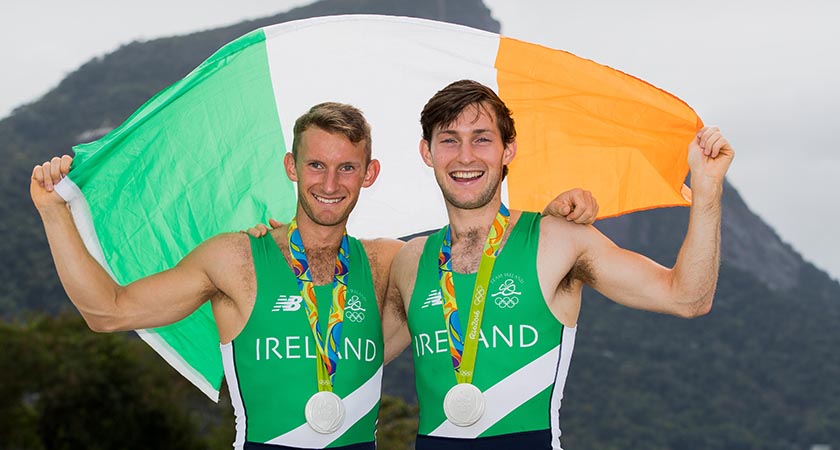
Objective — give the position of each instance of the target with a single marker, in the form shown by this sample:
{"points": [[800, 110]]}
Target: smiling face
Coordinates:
{"points": [[468, 156], [329, 171]]}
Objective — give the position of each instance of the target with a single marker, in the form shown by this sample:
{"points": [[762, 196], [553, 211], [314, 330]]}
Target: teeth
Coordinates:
{"points": [[467, 175], [328, 201]]}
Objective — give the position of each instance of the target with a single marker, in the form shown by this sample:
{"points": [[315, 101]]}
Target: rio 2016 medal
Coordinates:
{"points": [[463, 404], [325, 412]]}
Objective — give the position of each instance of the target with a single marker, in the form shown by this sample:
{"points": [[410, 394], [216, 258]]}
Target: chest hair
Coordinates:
{"points": [[321, 262], [466, 253]]}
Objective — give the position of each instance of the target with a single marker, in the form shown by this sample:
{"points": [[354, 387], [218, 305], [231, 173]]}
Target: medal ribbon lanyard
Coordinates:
{"points": [[463, 347], [327, 361]]}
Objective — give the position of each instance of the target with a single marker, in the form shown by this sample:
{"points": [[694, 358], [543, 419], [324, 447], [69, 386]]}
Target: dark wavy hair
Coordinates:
{"points": [[448, 103]]}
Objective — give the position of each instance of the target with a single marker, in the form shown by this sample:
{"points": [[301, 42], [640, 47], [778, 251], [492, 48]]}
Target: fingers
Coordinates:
{"points": [[711, 140], [55, 169], [51, 172], [560, 206], [585, 208], [576, 205], [717, 145], [66, 162], [38, 175], [590, 212], [577, 208], [575, 212], [46, 174], [258, 230]]}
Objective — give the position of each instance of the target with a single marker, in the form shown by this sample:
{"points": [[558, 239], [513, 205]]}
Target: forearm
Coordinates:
{"points": [[88, 285], [694, 276]]}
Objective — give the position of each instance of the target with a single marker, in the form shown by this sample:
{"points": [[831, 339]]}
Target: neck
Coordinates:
{"points": [[319, 237], [464, 223]]}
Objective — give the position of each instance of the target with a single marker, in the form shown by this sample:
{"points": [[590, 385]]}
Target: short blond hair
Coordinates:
{"points": [[333, 117]]}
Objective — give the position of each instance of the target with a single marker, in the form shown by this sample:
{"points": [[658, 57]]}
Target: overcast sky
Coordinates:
{"points": [[766, 71]]}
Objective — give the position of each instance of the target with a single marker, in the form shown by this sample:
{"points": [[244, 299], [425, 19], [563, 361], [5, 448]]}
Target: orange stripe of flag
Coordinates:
{"points": [[582, 124]]}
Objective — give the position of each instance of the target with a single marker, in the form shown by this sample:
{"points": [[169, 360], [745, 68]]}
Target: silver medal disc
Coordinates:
{"points": [[324, 412], [463, 404]]}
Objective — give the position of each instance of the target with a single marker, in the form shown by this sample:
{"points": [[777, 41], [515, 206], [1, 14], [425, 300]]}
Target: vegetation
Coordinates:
{"points": [[64, 387]]}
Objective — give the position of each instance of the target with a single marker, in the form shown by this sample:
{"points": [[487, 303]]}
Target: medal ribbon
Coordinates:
{"points": [[463, 347], [327, 354]]}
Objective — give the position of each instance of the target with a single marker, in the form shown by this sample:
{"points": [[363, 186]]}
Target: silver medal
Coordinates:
{"points": [[324, 412], [463, 404]]}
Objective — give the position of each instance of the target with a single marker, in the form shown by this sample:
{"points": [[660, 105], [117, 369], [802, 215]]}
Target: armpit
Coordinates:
{"points": [[581, 271]]}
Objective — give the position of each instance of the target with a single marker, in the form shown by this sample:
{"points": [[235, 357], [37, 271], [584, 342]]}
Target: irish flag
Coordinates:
{"points": [[204, 155]]}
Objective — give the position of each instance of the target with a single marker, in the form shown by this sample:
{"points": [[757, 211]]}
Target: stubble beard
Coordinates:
{"points": [[484, 197], [307, 209]]}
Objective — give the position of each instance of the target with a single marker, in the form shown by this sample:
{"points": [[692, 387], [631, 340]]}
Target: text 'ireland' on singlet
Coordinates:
{"points": [[270, 367], [523, 350]]}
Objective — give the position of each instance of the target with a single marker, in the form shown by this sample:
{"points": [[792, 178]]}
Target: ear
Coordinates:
{"points": [[426, 152], [371, 173], [289, 164], [509, 153]]}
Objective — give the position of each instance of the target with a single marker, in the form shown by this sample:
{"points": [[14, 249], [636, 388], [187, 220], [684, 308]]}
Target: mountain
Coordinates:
{"points": [[760, 371]]}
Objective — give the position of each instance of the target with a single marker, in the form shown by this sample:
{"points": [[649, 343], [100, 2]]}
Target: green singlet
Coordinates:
{"points": [[523, 350], [271, 366]]}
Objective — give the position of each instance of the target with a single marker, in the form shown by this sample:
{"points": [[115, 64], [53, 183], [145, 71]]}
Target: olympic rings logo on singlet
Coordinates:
{"points": [[354, 311], [508, 296]]}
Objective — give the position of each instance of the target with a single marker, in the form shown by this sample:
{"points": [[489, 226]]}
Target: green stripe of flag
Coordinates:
{"points": [[203, 156]]}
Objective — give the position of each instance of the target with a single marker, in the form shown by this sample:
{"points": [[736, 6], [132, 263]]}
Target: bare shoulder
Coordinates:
{"points": [[381, 251], [230, 265], [405, 263], [404, 268], [379, 244], [225, 245], [554, 224], [380, 254], [226, 258], [558, 233], [563, 258], [410, 253]]}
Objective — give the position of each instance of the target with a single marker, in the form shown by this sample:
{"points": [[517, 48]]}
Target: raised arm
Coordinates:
{"points": [[154, 301], [634, 280]]}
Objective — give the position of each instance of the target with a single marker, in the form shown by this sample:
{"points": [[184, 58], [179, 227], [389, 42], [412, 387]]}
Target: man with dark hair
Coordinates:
{"points": [[446, 106], [491, 365], [301, 373]]}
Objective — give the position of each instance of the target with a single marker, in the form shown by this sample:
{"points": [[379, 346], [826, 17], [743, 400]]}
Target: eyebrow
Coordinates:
{"points": [[344, 163], [474, 132]]}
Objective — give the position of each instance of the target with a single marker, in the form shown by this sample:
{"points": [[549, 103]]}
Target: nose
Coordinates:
{"points": [[331, 182], [466, 153]]}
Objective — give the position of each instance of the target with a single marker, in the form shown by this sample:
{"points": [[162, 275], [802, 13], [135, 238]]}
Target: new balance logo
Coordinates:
{"points": [[507, 295], [433, 299], [354, 311], [287, 303]]}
